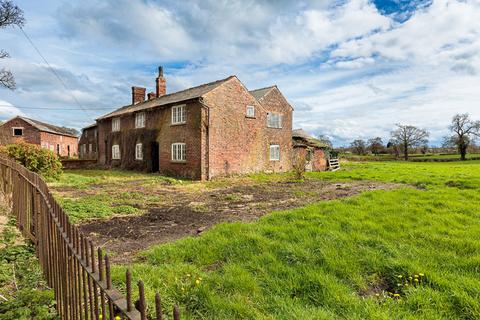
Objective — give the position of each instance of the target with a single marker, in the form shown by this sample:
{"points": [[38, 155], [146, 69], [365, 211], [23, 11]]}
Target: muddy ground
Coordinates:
{"points": [[190, 213]]}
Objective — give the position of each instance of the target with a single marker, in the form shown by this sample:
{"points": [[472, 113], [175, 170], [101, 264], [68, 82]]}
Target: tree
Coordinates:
{"points": [[375, 145], [10, 15], [409, 137], [464, 131], [325, 140], [358, 147]]}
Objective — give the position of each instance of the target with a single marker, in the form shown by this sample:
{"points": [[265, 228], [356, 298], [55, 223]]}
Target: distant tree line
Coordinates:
{"points": [[405, 139]]}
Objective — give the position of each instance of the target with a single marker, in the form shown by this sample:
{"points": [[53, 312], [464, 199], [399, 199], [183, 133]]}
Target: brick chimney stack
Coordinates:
{"points": [[138, 94], [161, 83]]}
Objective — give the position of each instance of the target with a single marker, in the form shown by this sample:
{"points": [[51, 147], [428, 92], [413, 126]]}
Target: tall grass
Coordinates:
{"points": [[336, 259]]}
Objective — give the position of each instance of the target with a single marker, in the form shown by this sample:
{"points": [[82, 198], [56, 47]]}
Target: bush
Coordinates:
{"points": [[35, 158]]}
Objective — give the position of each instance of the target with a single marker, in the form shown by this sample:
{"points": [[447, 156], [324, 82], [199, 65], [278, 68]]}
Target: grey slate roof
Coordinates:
{"points": [[93, 125], [262, 92], [179, 96], [302, 138], [42, 126]]}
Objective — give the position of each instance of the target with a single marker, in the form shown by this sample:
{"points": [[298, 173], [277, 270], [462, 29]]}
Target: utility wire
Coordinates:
{"points": [[54, 72], [57, 109]]}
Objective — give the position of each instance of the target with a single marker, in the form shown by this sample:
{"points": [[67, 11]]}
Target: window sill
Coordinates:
{"points": [[273, 128], [140, 127], [249, 117], [178, 161], [178, 124], [274, 160]]}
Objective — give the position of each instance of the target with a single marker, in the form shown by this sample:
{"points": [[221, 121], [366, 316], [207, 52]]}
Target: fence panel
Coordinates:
{"points": [[78, 272]]}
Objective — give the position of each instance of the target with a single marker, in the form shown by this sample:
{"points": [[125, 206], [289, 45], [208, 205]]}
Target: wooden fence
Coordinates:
{"points": [[78, 272]]}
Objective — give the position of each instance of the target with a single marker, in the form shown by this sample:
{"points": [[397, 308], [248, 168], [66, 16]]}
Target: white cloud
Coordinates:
{"points": [[8, 110]]}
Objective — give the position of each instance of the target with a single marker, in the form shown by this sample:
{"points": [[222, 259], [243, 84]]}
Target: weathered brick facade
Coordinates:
{"points": [[47, 136], [219, 137], [88, 143]]}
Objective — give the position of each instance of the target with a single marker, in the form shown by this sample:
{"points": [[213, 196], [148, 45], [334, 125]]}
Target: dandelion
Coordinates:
{"points": [[396, 295], [416, 280], [406, 284], [421, 274], [400, 276], [410, 278], [100, 317], [183, 289], [200, 278], [188, 275], [197, 282], [118, 318], [416, 276]]}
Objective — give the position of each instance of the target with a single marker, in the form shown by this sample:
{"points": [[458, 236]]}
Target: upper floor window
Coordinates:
{"points": [[138, 151], [250, 111], [140, 120], [115, 152], [17, 132], [179, 152], [179, 115], [115, 124], [274, 120], [274, 152]]}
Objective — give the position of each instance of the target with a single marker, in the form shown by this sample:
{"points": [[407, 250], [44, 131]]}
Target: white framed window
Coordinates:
{"points": [[274, 152], [179, 114], [116, 152], [140, 120], [251, 111], [17, 131], [179, 152], [138, 151], [115, 124], [274, 120]]}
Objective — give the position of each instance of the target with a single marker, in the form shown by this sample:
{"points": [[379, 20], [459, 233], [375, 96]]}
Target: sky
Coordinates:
{"points": [[351, 69]]}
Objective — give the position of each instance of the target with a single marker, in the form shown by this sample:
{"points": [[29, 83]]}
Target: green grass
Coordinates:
{"points": [[323, 260]]}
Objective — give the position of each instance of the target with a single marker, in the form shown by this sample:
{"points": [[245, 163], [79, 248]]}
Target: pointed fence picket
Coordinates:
{"points": [[78, 273]]}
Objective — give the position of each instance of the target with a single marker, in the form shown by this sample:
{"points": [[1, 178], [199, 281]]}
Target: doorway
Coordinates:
{"points": [[155, 156]]}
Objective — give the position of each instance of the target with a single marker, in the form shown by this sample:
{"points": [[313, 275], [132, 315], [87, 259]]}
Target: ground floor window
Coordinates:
{"points": [[138, 151], [274, 152], [115, 152], [17, 132], [179, 152]]}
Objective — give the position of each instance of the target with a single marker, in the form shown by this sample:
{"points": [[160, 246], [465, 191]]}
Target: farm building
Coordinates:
{"points": [[88, 143], [62, 141], [314, 151], [218, 128]]}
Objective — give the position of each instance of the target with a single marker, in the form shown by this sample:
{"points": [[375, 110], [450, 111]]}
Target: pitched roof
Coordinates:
{"points": [[262, 92], [302, 138], [45, 127], [93, 125], [179, 96]]}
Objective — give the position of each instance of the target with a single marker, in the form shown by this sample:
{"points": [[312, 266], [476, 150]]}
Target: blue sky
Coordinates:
{"points": [[351, 68]]}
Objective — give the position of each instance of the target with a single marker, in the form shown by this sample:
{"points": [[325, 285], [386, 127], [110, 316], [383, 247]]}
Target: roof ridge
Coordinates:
{"points": [[268, 87]]}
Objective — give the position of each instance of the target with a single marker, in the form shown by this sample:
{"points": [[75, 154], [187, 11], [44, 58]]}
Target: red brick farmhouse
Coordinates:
{"points": [[60, 140], [214, 129]]}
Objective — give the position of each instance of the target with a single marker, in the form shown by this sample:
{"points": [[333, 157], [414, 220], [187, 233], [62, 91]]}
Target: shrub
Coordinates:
{"points": [[35, 158], [299, 166]]}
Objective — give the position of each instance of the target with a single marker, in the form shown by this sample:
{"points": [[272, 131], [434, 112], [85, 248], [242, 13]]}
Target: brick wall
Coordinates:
{"points": [[88, 137], [30, 133], [318, 159], [158, 128], [65, 146], [239, 144]]}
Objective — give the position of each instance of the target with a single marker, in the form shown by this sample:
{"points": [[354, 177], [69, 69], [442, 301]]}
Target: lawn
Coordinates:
{"points": [[341, 259]]}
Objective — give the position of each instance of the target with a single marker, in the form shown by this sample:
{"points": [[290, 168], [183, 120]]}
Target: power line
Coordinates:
{"points": [[54, 72], [57, 109]]}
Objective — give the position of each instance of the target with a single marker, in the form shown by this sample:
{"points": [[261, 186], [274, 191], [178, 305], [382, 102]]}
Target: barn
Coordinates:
{"points": [[315, 151]]}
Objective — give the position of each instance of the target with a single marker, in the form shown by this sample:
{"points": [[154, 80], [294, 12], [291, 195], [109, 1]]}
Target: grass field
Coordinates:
{"points": [[341, 259], [413, 157]]}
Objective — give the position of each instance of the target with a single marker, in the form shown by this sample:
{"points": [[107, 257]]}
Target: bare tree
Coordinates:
{"points": [[358, 147], [409, 137], [375, 145], [10, 15], [464, 131]]}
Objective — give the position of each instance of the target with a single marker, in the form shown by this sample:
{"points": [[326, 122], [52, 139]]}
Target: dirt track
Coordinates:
{"points": [[193, 212]]}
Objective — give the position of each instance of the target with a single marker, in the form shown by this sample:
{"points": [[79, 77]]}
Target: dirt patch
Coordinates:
{"points": [[182, 214]]}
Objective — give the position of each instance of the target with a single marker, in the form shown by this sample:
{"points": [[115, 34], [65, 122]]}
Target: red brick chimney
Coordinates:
{"points": [[161, 83], [138, 94], [151, 95]]}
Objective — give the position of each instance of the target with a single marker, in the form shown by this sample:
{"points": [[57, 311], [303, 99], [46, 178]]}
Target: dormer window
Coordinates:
{"points": [[250, 111], [115, 124], [140, 120]]}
